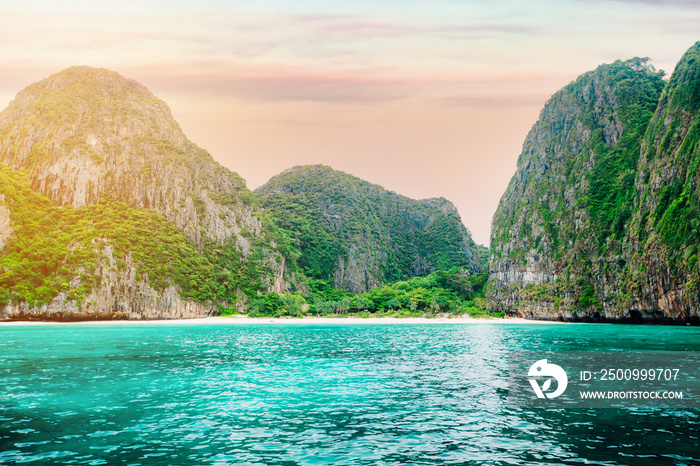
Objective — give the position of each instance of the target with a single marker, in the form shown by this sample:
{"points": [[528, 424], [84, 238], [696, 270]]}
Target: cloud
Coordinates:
{"points": [[275, 84], [246, 82], [315, 88]]}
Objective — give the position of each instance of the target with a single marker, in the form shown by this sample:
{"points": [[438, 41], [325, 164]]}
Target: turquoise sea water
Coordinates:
{"points": [[182, 394]]}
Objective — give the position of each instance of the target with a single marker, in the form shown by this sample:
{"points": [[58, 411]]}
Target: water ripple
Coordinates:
{"points": [[313, 394]]}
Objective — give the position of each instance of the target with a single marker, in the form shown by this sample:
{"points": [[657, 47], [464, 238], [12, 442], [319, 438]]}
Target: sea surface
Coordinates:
{"points": [[374, 394]]}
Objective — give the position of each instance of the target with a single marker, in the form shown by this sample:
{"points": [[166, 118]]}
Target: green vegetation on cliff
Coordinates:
{"points": [[105, 204], [55, 249], [357, 235], [601, 218], [611, 191], [665, 232], [107, 164], [673, 145], [581, 156], [320, 248]]}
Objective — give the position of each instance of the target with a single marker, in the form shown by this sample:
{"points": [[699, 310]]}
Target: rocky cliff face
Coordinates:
{"points": [[86, 136], [663, 276], [572, 238], [121, 295], [85, 133], [360, 235]]}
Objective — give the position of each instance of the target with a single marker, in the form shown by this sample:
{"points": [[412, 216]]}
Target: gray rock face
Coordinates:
{"points": [[120, 296], [85, 134], [663, 276], [558, 243]]}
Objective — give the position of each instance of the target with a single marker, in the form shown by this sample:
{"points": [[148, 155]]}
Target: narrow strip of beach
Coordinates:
{"points": [[244, 320]]}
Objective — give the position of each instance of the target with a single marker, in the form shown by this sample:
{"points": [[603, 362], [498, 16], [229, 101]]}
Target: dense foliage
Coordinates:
{"points": [[55, 249], [52, 245], [320, 248], [674, 149], [611, 106], [336, 220], [444, 292], [611, 191], [158, 210], [604, 212], [666, 226]]}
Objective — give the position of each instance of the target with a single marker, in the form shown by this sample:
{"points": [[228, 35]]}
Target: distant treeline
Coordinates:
{"points": [[453, 291]]}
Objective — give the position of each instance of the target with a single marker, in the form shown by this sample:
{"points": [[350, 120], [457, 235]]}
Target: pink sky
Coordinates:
{"points": [[426, 98]]}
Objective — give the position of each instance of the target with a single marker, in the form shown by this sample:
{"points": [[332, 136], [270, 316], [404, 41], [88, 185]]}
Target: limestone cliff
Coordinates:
{"points": [[359, 235], [579, 233], [84, 133], [90, 137], [663, 276], [121, 295], [557, 235]]}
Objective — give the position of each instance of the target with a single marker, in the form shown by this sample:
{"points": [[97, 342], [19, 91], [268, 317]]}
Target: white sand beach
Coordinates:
{"points": [[244, 320]]}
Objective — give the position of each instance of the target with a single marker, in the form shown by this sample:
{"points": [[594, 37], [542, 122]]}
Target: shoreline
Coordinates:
{"points": [[243, 320]]}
